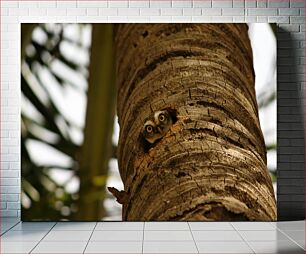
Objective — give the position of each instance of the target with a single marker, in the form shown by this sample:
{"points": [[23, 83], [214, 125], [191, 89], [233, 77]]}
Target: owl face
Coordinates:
{"points": [[157, 126]]}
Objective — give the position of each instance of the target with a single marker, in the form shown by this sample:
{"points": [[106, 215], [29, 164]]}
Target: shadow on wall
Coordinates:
{"points": [[290, 130]]}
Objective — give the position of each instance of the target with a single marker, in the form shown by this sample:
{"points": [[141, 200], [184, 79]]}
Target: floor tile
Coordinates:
{"points": [[60, 247], [301, 243], [211, 226], [169, 247], [7, 225], [295, 234], [70, 226], [3, 230], [33, 226], [167, 236], [23, 236], [114, 247], [106, 236], [69, 236], [17, 247], [216, 236], [164, 225], [276, 247], [125, 225], [273, 235], [291, 225], [224, 247], [253, 225]]}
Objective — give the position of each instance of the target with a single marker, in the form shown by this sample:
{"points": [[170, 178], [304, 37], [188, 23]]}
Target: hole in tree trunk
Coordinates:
{"points": [[145, 34]]}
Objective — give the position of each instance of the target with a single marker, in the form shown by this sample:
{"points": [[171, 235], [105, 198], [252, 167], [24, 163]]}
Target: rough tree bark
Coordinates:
{"points": [[211, 165]]}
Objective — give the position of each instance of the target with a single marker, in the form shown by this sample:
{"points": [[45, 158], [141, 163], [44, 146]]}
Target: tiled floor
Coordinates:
{"points": [[152, 237]]}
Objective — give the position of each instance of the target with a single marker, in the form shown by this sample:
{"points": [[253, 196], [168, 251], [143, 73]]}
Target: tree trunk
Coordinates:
{"points": [[97, 147], [211, 164]]}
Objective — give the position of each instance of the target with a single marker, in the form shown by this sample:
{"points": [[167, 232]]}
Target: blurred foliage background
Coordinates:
{"points": [[69, 130], [66, 152]]}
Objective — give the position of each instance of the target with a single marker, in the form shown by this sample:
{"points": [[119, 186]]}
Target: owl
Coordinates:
{"points": [[156, 126]]}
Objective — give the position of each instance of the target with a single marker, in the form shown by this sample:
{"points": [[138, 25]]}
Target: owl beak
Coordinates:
{"points": [[159, 129]]}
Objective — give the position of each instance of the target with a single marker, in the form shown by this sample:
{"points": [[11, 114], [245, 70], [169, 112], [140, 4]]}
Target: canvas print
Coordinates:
{"points": [[148, 122]]}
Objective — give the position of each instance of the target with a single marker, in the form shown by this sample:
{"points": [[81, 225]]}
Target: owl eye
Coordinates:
{"points": [[149, 128], [161, 117]]}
